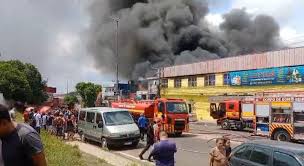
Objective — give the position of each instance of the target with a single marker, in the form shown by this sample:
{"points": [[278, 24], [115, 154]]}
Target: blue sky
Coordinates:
{"points": [[51, 34]]}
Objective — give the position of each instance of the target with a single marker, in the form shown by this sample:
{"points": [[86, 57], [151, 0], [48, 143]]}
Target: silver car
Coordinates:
{"points": [[267, 153], [109, 126]]}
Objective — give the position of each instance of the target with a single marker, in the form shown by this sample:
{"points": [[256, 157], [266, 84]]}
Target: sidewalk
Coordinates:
{"points": [[111, 158]]}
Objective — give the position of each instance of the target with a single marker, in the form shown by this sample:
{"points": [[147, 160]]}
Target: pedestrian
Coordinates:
{"points": [[227, 147], [49, 122], [70, 128], [150, 140], [26, 116], [12, 113], [142, 124], [38, 121], [44, 118], [218, 154], [163, 152], [157, 129], [59, 122], [20, 144]]}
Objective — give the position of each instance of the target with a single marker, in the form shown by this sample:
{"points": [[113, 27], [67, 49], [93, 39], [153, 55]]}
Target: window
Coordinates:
{"points": [[281, 115], [281, 159], [231, 106], [210, 80], [118, 118], [164, 83], [177, 83], [244, 152], [192, 81], [98, 118], [161, 107], [90, 117], [226, 79], [260, 155], [82, 115]]}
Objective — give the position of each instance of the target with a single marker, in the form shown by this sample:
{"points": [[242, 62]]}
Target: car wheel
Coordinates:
{"points": [[178, 134], [83, 138], [225, 124], [282, 135], [104, 143], [134, 144]]}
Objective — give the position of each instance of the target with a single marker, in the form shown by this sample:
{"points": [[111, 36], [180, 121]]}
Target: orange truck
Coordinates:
{"points": [[277, 115], [172, 112]]}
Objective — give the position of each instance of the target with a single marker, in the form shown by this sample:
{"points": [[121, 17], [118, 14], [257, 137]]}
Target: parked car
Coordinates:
{"points": [[108, 126], [267, 153]]}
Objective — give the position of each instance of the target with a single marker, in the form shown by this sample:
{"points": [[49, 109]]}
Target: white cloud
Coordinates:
{"points": [[214, 19], [291, 37], [280, 9]]}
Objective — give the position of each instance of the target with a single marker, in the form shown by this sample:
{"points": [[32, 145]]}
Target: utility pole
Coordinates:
{"points": [[67, 87], [159, 80], [117, 57]]}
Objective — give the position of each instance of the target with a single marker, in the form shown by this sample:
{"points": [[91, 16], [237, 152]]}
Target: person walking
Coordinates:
{"points": [[59, 122], [163, 152], [44, 118], [218, 154], [150, 140], [70, 128], [142, 124], [20, 144], [38, 121]]}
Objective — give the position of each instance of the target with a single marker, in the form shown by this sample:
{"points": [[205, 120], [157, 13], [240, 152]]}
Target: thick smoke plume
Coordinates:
{"points": [[158, 33]]}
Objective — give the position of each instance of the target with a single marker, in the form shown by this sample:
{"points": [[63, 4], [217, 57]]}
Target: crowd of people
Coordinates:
{"points": [[61, 122]]}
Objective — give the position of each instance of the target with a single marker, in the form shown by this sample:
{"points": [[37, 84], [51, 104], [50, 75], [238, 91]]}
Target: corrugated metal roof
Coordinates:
{"points": [[286, 57]]}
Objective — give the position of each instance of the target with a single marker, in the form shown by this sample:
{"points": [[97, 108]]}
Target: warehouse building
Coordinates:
{"points": [[268, 71]]}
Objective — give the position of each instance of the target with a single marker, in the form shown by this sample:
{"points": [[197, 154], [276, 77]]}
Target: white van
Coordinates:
{"points": [[109, 126]]}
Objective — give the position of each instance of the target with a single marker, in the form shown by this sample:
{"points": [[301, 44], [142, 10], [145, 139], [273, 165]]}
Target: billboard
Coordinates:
{"points": [[281, 75]]}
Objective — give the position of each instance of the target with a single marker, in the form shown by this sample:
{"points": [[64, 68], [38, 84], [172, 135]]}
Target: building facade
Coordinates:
{"points": [[269, 71]]}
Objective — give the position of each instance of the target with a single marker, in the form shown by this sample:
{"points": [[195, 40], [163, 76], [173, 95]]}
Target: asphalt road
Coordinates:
{"points": [[193, 148]]}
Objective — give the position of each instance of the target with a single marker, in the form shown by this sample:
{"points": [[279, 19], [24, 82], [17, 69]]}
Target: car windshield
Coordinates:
{"points": [[176, 107], [118, 118]]}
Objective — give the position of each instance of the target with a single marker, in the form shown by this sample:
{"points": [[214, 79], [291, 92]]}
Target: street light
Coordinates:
{"points": [[116, 19]]}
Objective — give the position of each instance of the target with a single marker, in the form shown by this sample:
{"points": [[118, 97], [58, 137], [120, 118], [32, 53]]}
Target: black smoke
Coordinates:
{"points": [[158, 33]]}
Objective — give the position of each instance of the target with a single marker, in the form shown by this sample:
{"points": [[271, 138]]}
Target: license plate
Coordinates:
{"points": [[128, 143]]}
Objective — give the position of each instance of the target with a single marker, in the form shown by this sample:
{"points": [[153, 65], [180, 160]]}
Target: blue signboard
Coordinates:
{"points": [[282, 75]]}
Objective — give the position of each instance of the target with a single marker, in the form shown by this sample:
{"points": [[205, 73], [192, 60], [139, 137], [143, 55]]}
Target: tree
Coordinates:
{"points": [[70, 100], [13, 83], [88, 92], [24, 77]]}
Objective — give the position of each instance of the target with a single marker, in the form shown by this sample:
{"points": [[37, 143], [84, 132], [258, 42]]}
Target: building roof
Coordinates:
{"points": [[286, 57]]}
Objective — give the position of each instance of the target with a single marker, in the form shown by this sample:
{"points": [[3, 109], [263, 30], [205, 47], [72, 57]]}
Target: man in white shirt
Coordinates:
{"points": [[38, 119]]}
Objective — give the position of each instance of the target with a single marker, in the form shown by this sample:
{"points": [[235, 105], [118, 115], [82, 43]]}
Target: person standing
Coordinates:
{"points": [[150, 140], [218, 154], [157, 129], [44, 118], [70, 128], [38, 121], [20, 144], [142, 124], [163, 152], [59, 122]]}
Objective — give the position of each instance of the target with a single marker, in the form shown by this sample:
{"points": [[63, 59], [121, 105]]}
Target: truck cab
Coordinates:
{"points": [[230, 109], [174, 114]]}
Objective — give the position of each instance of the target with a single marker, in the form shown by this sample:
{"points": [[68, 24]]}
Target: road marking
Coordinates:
{"points": [[133, 157]]}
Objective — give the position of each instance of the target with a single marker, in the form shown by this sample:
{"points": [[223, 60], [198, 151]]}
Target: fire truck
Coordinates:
{"points": [[277, 115], [172, 112]]}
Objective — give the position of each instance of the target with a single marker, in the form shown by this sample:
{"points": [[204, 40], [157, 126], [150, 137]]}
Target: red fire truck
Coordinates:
{"points": [[278, 115], [173, 112]]}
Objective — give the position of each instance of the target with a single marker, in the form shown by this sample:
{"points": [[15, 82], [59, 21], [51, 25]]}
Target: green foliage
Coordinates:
{"points": [[88, 92], [21, 82], [70, 100]]}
